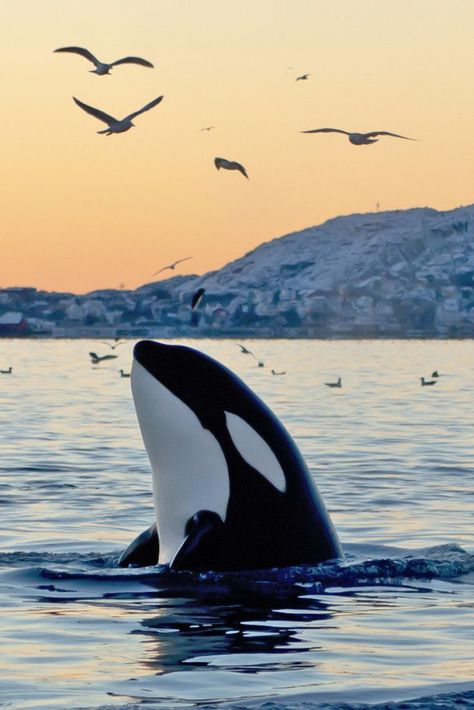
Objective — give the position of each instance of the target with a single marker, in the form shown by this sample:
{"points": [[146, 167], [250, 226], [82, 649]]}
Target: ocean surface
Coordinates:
{"points": [[394, 463]]}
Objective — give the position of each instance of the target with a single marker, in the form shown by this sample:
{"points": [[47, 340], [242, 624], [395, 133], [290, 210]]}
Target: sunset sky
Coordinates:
{"points": [[81, 211]]}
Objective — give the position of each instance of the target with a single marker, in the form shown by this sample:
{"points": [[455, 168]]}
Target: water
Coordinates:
{"points": [[393, 462]]}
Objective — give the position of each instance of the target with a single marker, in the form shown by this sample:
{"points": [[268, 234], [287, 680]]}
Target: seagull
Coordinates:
{"points": [[274, 372], [425, 383], [230, 165], [244, 350], [124, 374], [303, 77], [171, 266], [114, 345], [334, 384], [101, 68], [197, 298], [206, 128], [359, 138], [99, 358], [115, 125], [7, 372]]}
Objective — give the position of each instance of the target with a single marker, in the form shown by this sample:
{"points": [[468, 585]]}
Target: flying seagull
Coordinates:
{"points": [[113, 345], [101, 68], [197, 298], [230, 165], [171, 266], [303, 77], [359, 138], [116, 125], [244, 350]]}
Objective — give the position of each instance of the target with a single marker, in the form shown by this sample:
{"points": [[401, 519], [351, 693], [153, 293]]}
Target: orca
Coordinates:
{"points": [[231, 490]]}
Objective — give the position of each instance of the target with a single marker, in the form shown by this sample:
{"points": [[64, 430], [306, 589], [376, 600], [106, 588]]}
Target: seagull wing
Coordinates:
{"points": [[327, 130], [183, 259], [387, 133], [240, 168], [153, 103], [197, 298], [133, 60], [80, 50], [101, 115]]}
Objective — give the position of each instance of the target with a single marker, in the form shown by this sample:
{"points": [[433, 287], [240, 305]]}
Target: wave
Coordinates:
{"points": [[444, 562]]}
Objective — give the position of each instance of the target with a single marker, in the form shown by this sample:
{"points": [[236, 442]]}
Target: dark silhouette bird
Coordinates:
{"points": [[206, 128], [274, 372], [115, 344], [197, 298], [100, 358], [359, 138], [426, 383], [116, 125], [334, 384], [171, 266], [245, 350], [303, 77], [7, 372], [102, 68], [435, 374], [261, 363], [230, 165], [124, 374]]}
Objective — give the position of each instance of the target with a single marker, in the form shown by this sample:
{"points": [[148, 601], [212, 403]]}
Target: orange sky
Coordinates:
{"points": [[81, 211]]}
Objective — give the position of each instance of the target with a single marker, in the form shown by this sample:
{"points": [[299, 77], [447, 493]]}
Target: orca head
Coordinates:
{"points": [[218, 451], [186, 404]]}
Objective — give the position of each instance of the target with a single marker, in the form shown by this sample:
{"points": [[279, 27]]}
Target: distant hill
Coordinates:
{"points": [[401, 273]]}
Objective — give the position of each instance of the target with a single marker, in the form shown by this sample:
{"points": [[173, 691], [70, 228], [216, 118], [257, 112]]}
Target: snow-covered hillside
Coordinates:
{"points": [[406, 272]]}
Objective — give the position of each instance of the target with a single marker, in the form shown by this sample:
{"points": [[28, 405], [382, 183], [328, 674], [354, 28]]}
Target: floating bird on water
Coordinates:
{"points": [[334, 384], [359, 138], [99, 358], [230, 165], [102, 68], [124, 374], [172, 266], [303, 77], [425, 383], [435, 374], [261, 363], [197, 298], [206, 128], [7, 372], [116, 125], [274, 372]]}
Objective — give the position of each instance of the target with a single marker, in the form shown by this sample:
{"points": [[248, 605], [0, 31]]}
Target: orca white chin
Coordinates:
{"points": [[230, 488], [189, 469]]}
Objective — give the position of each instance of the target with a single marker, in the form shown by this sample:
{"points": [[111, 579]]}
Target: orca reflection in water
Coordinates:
{"points": [[231, 490]]}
